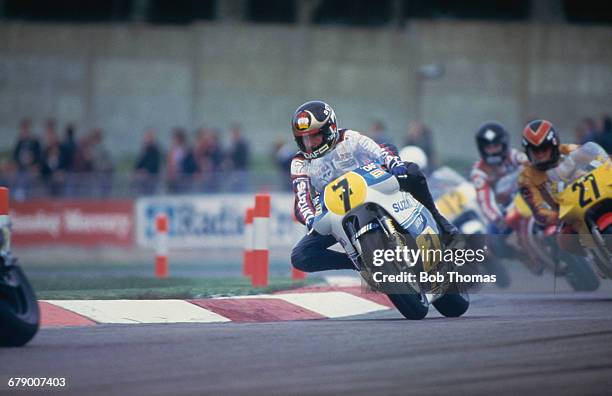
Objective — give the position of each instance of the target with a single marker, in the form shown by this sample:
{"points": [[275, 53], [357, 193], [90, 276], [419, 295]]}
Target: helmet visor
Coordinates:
{"points": [[540, 155], [309, 143], [494, 149]]}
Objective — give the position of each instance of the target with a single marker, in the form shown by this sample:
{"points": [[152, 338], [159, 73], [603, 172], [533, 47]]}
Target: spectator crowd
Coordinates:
{"points": [[66, 165]]}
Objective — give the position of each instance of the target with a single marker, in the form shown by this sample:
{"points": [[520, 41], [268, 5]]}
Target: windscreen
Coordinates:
{"points": [[578, 163]]}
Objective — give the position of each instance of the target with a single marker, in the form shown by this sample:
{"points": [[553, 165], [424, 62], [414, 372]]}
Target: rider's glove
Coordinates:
{"points": [[398, 168]]}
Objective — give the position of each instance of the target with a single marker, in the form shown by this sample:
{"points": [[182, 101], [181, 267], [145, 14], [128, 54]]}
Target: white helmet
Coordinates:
{"points": [[414, 154]]}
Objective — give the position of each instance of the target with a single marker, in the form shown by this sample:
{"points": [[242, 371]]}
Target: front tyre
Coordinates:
{"points": [[412, 306], [19, 312], [603, 251], [411, 303], [580, 275]]}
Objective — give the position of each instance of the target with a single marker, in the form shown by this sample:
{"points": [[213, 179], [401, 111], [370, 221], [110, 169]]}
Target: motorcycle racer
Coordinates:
{"points": [[497, 160], [544, 151], [317, 135]]}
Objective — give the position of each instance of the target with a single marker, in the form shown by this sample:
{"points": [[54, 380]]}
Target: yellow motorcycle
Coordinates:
{"points": [[582, 186], [541, 253]]}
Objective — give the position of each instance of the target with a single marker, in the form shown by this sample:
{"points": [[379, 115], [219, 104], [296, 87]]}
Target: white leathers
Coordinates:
{"points": [[351, 151]]}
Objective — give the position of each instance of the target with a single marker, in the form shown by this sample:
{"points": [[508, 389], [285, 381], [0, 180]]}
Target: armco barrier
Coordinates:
{"points": [[73, 222]]}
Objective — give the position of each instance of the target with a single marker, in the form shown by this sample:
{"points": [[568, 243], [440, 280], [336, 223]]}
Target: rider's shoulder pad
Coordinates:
{"points": [[298, 167]]}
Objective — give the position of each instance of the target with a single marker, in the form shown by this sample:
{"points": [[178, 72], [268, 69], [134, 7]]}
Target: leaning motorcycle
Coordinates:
{"points": [[582, 185], [19, 312], [365, 210], [541, 252]]}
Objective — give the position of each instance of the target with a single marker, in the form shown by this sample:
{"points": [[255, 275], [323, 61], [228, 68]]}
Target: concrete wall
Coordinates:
{"points": [[124, 78]]}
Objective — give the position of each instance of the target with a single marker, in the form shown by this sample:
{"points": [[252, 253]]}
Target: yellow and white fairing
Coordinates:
{"points": [[455, 197], [367, 184], [579, 182]]}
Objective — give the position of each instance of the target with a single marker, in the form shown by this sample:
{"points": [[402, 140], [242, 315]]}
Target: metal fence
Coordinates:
{"points": [[25, 185]]}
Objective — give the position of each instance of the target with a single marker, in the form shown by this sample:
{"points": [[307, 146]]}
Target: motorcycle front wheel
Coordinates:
{"points": [[411, 303], [580, 275], [602, 255], [19, 312]]}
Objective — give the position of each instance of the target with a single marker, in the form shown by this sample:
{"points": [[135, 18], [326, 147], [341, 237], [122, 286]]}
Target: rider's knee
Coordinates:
{"points": [[299, 260]]}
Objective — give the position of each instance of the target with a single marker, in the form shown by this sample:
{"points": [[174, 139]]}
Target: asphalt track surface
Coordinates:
{"points": [[506, 344]]}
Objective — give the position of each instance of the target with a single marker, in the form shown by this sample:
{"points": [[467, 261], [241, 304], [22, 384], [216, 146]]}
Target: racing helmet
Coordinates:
{"points": [[492, 141], [541, 144], [315, 128], [414, 154]]}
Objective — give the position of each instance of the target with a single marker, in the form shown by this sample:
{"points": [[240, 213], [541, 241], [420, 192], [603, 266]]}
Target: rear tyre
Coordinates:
{"points": [[452, 305], [19, 312], [411, 303]]}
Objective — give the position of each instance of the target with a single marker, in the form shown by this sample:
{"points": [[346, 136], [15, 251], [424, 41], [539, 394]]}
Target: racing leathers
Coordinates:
{"points": [[534, 188], [491, 201], [309, 178]]}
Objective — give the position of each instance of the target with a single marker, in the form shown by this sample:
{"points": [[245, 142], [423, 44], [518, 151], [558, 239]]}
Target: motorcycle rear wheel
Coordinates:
{"points": [[452, 305], [19, 312]]}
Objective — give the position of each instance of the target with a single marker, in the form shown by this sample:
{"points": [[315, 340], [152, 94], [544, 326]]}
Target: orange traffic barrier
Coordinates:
{"points": [[247, 259], [261, 253], [4, 201], [161, 253], [5, 220]]}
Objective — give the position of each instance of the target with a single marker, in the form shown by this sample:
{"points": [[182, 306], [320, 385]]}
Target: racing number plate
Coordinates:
{"points": [[428, 240], [345, 193], [587, 190]]}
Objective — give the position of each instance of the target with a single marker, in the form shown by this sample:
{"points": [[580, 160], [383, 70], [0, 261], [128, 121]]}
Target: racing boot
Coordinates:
{"points": [[416, 184]]}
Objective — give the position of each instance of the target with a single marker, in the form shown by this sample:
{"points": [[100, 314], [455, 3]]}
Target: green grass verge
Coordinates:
{"points": [[136, 287]]}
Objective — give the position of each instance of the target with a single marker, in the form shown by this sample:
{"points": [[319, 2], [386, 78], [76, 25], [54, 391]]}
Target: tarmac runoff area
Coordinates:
{"points": [[505, 344]]}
